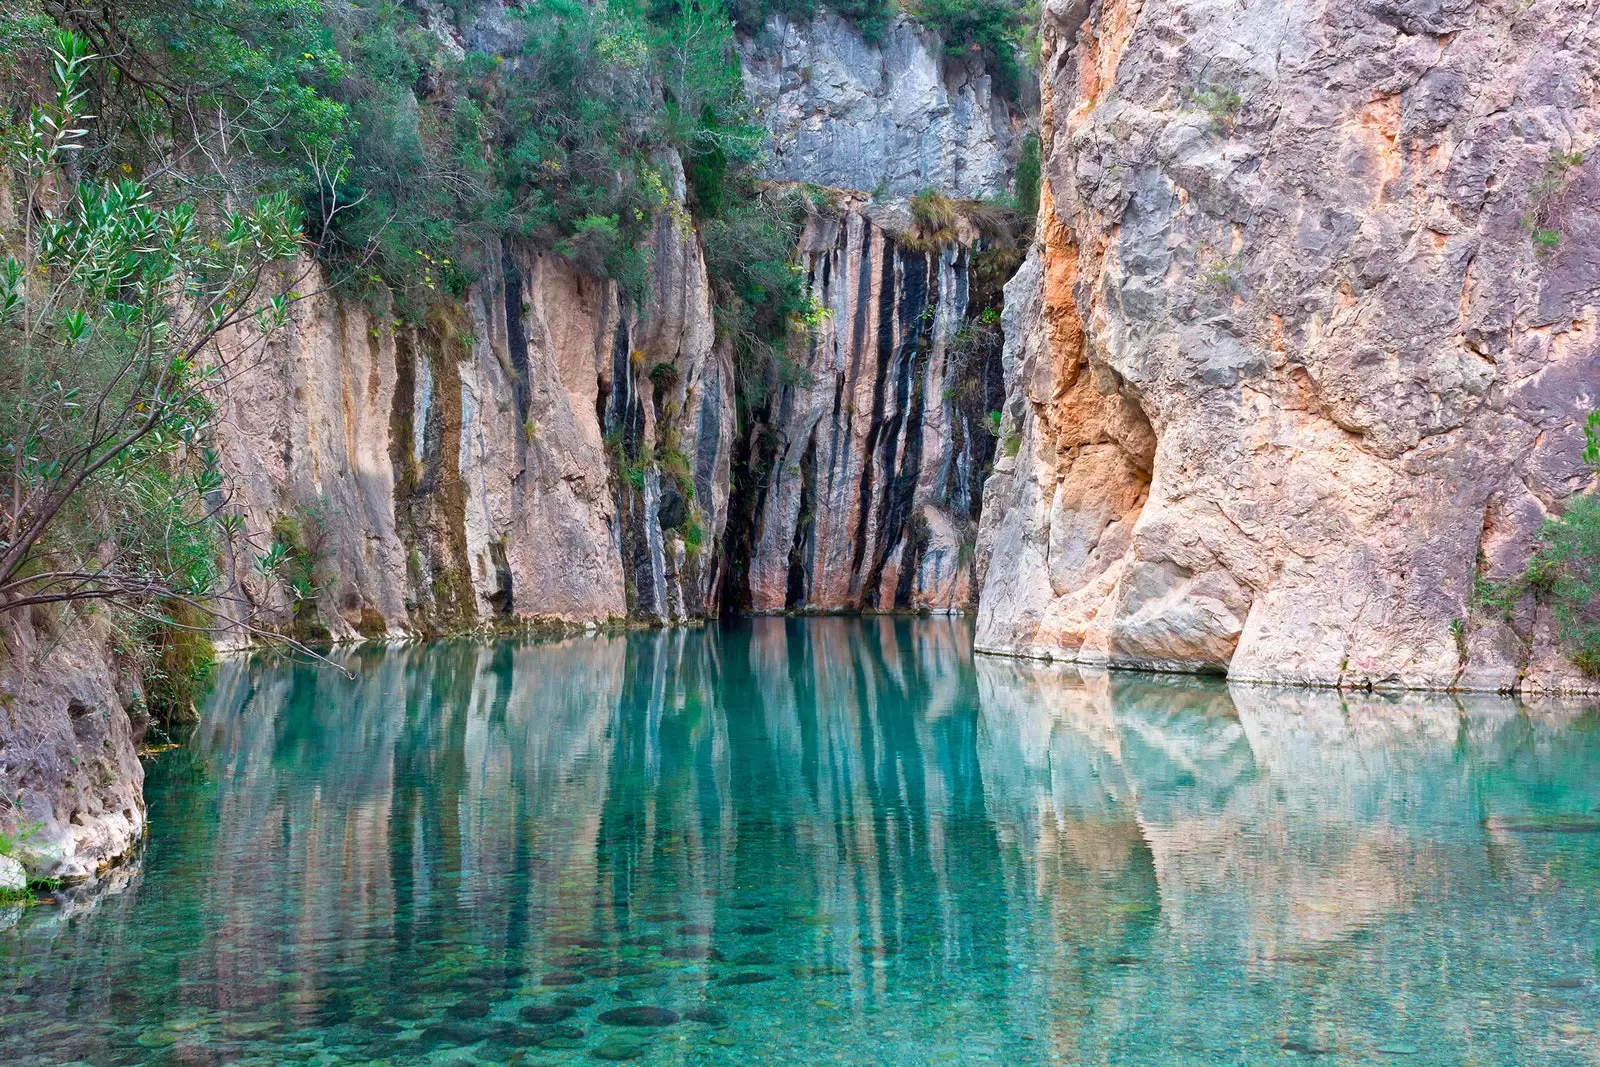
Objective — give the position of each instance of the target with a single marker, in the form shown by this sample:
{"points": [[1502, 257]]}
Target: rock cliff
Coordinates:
{"points": [[870, 468], [546, 448], [492, 461], [891, 118], [1306, 340], [71, 785]]}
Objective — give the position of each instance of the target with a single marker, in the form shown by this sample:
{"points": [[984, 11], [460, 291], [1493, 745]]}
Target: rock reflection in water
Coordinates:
{"points": [[832, 841]]}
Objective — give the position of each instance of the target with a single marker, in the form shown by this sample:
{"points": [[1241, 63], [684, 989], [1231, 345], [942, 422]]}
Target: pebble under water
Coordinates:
{"points": [[829, 841]]}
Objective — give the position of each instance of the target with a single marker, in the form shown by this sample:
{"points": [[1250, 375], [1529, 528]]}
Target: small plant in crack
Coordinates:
{"points": [[1219, 274], [1221, 102], [1544, 199]]}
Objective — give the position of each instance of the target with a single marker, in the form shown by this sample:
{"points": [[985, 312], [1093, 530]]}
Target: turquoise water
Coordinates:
{"points": [[831, 841]]}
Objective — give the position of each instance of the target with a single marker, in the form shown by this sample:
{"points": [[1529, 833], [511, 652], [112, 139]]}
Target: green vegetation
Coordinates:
{"points": [[298, 558], [1221, 102], [14, 846], [1028, 177], [111, 291], [1564, 572], [995, 30], [1219, 275], [1544, 199]]}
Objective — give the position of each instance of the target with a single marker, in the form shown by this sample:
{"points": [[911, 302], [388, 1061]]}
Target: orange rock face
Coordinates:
{"points": [[1290, 367]]}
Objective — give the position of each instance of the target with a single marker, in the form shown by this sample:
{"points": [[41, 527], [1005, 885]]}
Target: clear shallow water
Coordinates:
{"points": [[832, 841]]}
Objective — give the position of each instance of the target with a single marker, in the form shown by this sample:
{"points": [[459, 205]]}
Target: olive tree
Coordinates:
{"points": [[111, 303]]}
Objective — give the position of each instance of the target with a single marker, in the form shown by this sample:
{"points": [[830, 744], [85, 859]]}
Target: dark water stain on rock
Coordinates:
{"points": [[745, 978], [639, 1015], [545, 1013], [557, 978], [752, 930], [755, 959]]}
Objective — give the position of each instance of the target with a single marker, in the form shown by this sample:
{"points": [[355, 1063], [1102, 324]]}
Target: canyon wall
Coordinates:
{"points": [[867, 470], [1306, 341], [547, 449], [870, 468], [493, 461]]}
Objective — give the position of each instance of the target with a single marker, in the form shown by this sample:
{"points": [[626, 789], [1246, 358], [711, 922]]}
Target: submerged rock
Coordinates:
{"points": [[745, 978], [617, 970], [560, 978], [639, 1015], [545, 1013], [620, 1048], [573, 1000]]}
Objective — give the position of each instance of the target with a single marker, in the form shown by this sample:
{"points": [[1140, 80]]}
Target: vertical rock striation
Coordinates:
{"points": [[549, 447], [1309, 329], [869, 496], [493, 461], [866, 475]]}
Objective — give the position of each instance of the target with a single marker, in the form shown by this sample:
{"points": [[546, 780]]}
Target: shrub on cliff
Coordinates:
{"points": [[997, 31], [1563, 574], [110, 298]]}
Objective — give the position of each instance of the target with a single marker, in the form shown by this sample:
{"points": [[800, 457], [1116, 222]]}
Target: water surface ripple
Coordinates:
{"points": [[830, 841]]}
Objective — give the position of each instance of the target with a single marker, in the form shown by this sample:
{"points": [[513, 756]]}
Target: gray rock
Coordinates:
{"points": [[893, 118], [69, 761]]}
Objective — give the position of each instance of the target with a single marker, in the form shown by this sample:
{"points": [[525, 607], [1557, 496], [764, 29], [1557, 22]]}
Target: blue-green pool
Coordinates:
{"points": [[831, 841]]}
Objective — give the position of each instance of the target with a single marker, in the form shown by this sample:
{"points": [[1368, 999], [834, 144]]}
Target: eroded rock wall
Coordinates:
{"points": [[870, 491], [866, 473], [1309, 329], [547, 447], [891, 117], [490, 462], [71, 785]]}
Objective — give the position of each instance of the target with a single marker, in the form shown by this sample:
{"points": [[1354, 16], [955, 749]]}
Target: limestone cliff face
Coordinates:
{"points": [[71, 785], [892, 118], [547, 448], [492, 462], [1310, 328], [870, 468], [866, 475]]}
